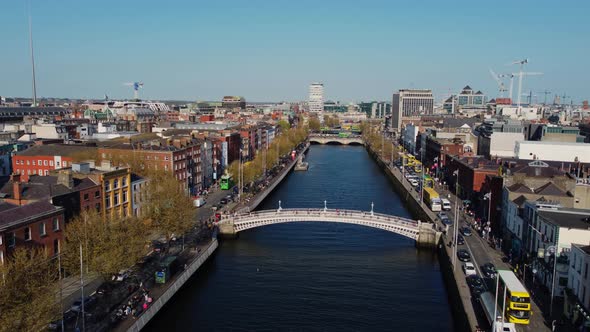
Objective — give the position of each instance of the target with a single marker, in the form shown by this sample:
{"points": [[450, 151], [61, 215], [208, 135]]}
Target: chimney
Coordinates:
{"points": [[17, 189], [65, 178], [15, 177]]}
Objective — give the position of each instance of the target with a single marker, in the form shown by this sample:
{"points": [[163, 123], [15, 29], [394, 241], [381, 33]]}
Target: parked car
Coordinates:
{"points": [[469, 269], [88, 303], [488, 270], [122, 275], [466, 231], [444, 218], [463, 255], [460, 239], [223, 201], [476, 284]]}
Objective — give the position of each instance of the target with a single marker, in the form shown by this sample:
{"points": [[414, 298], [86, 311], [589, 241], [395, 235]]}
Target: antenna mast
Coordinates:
{"points": [[32, 59]]}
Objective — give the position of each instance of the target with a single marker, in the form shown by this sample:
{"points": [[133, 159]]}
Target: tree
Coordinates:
{"points": [[108, 245], [28, 291], [314, 124], [284, 125], [169, 209]]}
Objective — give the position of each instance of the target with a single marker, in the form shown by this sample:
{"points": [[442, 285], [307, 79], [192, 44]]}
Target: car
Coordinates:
{"points": [[122, 275], [466, 231], [444, 218], [469, 269], [463, 255], [414, 182], [489, 270], [223, 201], [446, 204], [476, 284], [460, 239], [88, 303]]}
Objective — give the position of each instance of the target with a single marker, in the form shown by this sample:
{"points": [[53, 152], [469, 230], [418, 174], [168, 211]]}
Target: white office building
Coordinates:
{"points": [[407, 103], [316, 97]]}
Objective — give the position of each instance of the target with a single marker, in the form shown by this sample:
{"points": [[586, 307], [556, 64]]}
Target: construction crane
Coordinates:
{"points": [[530, 96], [545, 93], [136, 86], [520, 74], [498, 79]]}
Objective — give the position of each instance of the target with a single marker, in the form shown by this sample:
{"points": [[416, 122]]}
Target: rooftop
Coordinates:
{"points": [[11, 214], [55, 150], [567, 218]]}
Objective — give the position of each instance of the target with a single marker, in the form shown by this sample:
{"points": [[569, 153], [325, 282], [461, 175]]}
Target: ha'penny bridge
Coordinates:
{"points": [[423, 233]]}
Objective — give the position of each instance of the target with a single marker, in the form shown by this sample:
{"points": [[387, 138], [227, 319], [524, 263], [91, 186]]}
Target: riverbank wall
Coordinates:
{"points": [[177, 284], [461, 307]]}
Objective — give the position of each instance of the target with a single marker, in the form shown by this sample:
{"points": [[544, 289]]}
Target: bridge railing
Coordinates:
{"points": [[344, 213]]}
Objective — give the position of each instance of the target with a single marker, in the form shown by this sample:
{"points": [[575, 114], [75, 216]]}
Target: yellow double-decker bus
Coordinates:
{"points": [[517, 301]]}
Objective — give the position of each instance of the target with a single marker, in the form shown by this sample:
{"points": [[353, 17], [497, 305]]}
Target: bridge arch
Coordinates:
{"points": [[422, 233]]}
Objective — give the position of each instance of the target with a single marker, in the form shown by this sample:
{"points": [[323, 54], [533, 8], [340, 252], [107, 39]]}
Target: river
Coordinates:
{"points": [[318, 276]]}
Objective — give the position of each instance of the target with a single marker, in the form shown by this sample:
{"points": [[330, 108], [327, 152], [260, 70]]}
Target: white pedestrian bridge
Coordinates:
{"points": [[423, 233]]}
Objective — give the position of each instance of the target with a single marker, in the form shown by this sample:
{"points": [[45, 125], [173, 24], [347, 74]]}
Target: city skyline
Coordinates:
{"points": [[272, 52]]}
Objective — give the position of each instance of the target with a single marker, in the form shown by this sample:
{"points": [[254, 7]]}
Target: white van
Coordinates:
{"points": [[446, 204]]}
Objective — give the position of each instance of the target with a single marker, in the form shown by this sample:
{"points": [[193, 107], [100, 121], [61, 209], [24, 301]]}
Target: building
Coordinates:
{"points": [[577, 293], [552, 151], [497, 138], [316, 97], [468, 100], [42, 159], [233, 102], [551, 231], [139, 188], [410, 102]]}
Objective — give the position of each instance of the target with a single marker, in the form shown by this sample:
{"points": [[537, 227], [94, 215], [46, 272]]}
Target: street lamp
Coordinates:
{"points": [[456, 224], [325, 206], [372, 205]]}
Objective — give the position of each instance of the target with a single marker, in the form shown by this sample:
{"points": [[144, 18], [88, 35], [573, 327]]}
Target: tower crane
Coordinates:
{"points": [[520, 75], [136, 86], [497, 78], [545, 93]]}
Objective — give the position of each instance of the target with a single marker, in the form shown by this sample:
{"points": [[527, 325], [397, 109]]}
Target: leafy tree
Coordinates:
{"points": [[169, 209], [28, 291], [284, 125], [108, 245], [314, 124]]}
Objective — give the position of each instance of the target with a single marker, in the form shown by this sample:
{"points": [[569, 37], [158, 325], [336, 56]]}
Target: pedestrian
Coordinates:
{"points": [[145, 306]]}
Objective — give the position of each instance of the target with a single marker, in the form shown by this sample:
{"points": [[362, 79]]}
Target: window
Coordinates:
{"points": [[33, 163], [167, 158], [56, 246], [44, 162], [116, 183], [46, 172], [125, 196], [55, 224], [124, 182], [34, 171], [42, 231], [107, 185], [107, 202], [11, 240], [65, 163], [51, 163], [116, 199], [97, 206], [86, 197], [57, 163], [40, 162], [27, 233], [28, 162]]}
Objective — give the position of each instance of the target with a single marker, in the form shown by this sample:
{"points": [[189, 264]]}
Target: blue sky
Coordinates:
{"points": [[271, 50]]}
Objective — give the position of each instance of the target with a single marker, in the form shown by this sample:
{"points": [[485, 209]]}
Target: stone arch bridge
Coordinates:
{"points": [[331, 138], [423, 233]]}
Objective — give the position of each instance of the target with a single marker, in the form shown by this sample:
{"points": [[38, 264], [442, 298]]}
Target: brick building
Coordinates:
{"points": [[42, 159]]}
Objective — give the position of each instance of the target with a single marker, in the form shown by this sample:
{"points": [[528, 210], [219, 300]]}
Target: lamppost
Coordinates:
{"points": [[552, 251], [372, 205], [456, 223], [488, 197], [325, 206], [280, 208]]}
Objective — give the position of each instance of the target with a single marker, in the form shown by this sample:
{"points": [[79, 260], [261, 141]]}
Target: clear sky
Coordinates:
{"points": [[271, 50]]}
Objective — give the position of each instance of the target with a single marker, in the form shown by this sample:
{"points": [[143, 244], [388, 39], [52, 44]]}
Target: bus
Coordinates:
{"points": [[517, 301], [490, 308], [431, 198], [226, 182]]}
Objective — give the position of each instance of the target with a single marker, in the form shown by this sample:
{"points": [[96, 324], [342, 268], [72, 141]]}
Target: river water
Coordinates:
{"points": [[317, 276]]}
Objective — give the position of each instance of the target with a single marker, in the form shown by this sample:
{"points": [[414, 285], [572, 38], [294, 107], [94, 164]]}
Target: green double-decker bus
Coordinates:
{"points": [[226, 182]]}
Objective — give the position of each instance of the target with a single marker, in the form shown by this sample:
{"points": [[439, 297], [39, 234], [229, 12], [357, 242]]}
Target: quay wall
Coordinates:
{"points": [[184, 276]]}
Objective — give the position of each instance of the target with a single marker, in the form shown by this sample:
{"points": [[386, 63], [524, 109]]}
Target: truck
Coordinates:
{"points": [[489, 306], [198, 201], [430, 197]]}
